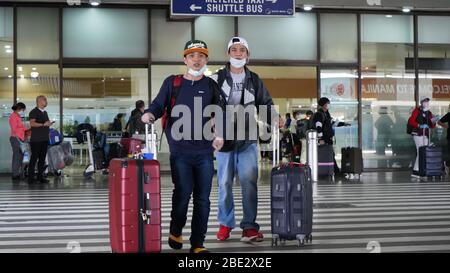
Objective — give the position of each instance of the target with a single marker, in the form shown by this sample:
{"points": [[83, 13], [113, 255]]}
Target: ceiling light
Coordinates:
{"points": [[122, 79], [94, 2], [66, 99], [9, 51], [6, 69], [388, 16], [406, 9], [7, 46], [34, 68], [307, 7], [34, 74], [10, 76], [20, 68], [22, 76]]}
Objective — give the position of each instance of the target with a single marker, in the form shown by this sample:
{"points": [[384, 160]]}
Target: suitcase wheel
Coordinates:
{"points": [[301, 242], [275, 240], [58, 173]]}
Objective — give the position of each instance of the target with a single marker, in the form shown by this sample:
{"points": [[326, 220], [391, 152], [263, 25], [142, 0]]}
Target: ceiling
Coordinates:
{"points": [[356, 4]]}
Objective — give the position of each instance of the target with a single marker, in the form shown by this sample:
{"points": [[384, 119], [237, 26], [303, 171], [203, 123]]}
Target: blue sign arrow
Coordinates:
{"points": [[233, 7]]}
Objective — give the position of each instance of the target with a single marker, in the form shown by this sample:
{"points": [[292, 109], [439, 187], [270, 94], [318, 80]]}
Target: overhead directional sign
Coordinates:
{"points": [[233, 7]]}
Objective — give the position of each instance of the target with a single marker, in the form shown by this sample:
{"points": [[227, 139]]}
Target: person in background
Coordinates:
{"points": [[18, 131], [302, 126], [287, 124], [117, 123], [444, 122], [323, 123], [40, 129], [135, 124], [421, 121]]}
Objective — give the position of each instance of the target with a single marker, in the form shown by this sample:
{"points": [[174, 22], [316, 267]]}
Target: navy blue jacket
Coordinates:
{"points": [[189, 90]]}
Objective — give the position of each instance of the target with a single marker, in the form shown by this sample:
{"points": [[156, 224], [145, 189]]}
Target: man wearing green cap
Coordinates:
{"points": [[191, 158]]}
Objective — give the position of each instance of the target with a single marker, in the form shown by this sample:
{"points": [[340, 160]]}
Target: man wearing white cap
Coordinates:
{"points": [[239, 156]]}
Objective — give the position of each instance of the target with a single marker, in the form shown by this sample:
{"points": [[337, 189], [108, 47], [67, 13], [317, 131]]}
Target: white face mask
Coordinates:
{"points": [[21, 113], [237, 63], [197, 73]]}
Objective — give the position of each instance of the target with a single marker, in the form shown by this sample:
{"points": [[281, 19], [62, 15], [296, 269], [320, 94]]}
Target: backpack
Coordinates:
{"points": [[54, 137], [174, 91]]}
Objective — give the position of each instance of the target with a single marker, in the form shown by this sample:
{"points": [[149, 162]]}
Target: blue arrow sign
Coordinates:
{"points": [[233, 7]]}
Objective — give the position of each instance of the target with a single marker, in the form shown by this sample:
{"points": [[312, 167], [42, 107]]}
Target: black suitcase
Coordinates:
{"points": [[291, 204], [352, 161], [325, 160], [430, 161]]}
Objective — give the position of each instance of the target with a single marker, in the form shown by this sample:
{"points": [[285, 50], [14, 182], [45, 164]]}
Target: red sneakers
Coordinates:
{"points": [[223, 233], [252, 235]]}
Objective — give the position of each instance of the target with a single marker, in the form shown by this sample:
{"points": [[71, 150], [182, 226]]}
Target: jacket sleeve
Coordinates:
{"points": [[218, 100], [413, 119], [263, 98], [159, 104], [318, 121]]}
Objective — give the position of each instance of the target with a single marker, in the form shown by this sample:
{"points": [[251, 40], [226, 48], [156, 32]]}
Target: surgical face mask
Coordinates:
{"points": [[21, 113], [425, 106], [197, 73], [237, 63]]}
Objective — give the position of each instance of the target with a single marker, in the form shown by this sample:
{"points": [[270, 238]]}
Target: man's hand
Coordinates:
{"points": [[47, 123], [148, 118], [218, 143]]}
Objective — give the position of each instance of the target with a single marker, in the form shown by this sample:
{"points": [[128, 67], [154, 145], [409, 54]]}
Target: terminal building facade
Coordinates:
{"points": [[92, 63]]}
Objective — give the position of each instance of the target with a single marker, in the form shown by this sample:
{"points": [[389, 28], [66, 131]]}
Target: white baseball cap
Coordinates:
{"points": [[238, 40]]}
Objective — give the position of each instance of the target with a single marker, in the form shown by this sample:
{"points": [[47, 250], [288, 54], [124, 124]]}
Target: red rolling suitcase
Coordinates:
{"points": [[134, 205]]}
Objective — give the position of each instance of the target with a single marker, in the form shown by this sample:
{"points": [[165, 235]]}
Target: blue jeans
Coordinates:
{"points": [[191, 174], [245, 164]]}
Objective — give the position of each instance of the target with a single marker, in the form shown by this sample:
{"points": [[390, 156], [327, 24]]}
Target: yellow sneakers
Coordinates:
{"points": [[175, 242]]}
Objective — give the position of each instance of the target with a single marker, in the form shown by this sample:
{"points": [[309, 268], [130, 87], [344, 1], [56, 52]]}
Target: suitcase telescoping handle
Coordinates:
{"points": [[275, 146], [150, 141]]}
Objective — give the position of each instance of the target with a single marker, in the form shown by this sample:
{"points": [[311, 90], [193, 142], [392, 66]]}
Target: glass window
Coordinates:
{"points": [[338, 34], [6, 85], [340, 86], [387, 28], [216, 32], [168, 37], [281, 38], [35, 80], [98, 95], [434, 70], [387, 91], [105, 33], [37, 34]]}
